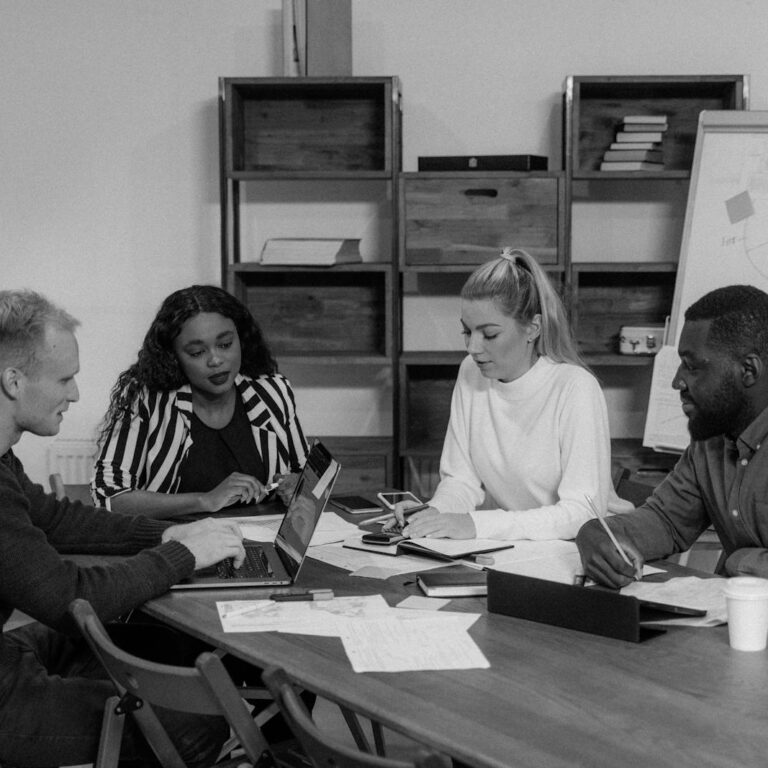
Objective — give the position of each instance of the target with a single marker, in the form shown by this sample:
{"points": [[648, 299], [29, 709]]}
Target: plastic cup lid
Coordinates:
{"points": [[746, 587]]}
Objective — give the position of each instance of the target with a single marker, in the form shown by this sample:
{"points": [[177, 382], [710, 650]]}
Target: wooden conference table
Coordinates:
{"points": [[551, 697]]}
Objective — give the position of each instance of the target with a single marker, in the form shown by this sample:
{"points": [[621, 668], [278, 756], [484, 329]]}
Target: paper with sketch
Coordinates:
{"points": [[666, 426], [323, 617], [688, 591], [330, 528], [391, 645]]}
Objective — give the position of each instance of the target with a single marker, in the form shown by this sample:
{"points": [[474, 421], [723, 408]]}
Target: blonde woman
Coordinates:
{"points": [[528, 436]]}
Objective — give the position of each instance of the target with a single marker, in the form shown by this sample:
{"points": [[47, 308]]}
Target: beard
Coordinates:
{"points": [[720, 412]]}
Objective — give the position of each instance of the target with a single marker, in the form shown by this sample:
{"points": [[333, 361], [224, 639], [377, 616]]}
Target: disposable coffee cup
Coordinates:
{"points": [[746, 599]]}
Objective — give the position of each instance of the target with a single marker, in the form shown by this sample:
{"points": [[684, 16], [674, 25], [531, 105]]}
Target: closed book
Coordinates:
{"points": [[622, 136], [642, 127], [309, 251], [651, 155], [639, 165], [635, 145], [484, 163], [453, 582], [656, 119]]}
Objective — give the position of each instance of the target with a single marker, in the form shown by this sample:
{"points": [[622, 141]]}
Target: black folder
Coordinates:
{"points": [[598, 611]]}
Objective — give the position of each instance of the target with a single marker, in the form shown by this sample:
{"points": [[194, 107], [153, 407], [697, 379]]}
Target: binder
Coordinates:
{"points": [[597, 611]]}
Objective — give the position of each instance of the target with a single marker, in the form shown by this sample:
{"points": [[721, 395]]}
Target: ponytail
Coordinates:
{"points": [[521, 289]]}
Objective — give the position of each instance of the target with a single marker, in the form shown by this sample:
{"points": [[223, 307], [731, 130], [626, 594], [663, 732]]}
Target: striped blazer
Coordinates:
{"points": [[146, 449]]}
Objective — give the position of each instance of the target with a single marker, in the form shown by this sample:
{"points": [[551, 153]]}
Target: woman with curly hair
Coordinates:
{"points": [[202, 420]]}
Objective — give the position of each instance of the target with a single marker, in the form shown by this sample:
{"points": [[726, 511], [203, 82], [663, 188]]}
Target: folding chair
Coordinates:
{"points": [[204, 689], [324, 752]]}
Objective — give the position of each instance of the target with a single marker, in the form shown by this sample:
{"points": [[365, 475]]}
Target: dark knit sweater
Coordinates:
{"points": [[35, 528]]}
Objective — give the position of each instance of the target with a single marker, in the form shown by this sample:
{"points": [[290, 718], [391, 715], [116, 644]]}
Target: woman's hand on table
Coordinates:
{"points": [[238, 488], [430, 523]]}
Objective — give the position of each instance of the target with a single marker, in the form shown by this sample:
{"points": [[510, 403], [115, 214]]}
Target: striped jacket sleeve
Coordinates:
{"points": [[276, 394], [142, 450]]}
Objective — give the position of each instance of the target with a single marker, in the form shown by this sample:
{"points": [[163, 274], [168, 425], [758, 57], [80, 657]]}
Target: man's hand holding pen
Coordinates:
{"points": [[603, 562]]}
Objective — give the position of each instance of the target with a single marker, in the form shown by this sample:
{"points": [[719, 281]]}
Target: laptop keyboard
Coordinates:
{"points": [[255, 565]]}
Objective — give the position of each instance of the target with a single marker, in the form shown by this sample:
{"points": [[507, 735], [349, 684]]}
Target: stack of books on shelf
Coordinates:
{"points": [[637, 146]]}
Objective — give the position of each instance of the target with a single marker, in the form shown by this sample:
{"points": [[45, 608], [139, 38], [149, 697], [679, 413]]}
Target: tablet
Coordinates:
{"points": [[680, 610]]}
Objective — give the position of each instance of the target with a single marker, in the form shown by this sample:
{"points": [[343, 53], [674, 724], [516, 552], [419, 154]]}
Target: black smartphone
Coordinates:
{"points": [[382, 537]]}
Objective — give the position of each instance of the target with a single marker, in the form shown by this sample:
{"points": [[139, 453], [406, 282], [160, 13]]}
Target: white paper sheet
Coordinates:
{"points": [[323, 617], [689, 591], [553, 560], [391, 645]]}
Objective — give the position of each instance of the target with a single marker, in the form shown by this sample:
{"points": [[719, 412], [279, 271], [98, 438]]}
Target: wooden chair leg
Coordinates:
{"points": [[355, 729], [112, 725], [378, 738]]}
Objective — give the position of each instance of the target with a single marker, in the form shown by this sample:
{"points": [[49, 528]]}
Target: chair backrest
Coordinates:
{"points": [[203, 689], [322, 751], [630, 490], [74, 492]]}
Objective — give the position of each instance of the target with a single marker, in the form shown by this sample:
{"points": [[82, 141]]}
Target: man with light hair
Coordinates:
{"points": [[52, 690]]}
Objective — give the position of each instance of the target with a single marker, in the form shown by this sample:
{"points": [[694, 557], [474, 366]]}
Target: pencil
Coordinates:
{"points": [[608, 530], [407, 512]]}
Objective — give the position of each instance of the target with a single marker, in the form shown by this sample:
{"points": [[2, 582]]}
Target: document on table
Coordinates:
{"points": [[375, 637], [391, 645], [689, 591], [330, 528], [308, 618], [553, 560]]}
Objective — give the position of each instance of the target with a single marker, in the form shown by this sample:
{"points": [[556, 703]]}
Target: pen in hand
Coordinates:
{"points": [[390, 516], [619, 548]]}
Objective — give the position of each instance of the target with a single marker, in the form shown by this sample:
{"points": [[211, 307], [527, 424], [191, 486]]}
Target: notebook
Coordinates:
{"points": [[275, 564]]}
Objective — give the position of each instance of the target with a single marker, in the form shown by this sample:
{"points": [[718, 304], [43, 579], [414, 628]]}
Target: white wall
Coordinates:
{"points": [[108, 136]]}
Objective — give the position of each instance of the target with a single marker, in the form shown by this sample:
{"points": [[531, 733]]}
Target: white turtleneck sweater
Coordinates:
{"points": [[532, 449]]}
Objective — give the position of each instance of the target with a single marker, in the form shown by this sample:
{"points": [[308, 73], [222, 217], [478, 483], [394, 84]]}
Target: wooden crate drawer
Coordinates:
{"points": [[467, 218], [307, 125], [428, 391], [361, 473], [316, 313], [366, 463]]}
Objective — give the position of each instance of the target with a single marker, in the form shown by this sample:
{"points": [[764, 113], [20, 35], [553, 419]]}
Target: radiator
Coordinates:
{"points": [[72, 459]]}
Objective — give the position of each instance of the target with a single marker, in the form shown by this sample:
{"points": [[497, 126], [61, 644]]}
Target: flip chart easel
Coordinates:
{"points": [[725, 242]]}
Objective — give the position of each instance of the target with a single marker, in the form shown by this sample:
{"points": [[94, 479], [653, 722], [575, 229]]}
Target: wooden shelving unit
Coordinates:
{"points": [[303, 131], [629, 290], [450, 223]]}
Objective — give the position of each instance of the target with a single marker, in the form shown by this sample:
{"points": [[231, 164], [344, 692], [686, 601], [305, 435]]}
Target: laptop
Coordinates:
{"points": [[270, 564]]}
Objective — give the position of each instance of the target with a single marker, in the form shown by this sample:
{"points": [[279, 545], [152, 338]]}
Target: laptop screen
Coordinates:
{"points": [[309, 498]]}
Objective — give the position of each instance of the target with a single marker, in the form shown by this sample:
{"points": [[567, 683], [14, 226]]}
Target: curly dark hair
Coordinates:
{"points": [[739, 315], [157, 367]]}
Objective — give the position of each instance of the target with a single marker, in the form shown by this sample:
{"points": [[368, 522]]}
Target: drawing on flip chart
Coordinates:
{"points": [[725, 242]]}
